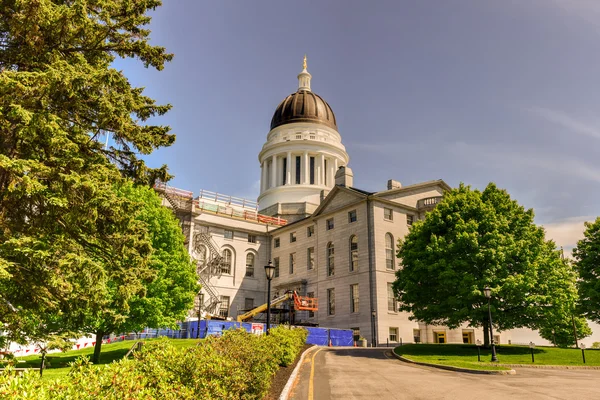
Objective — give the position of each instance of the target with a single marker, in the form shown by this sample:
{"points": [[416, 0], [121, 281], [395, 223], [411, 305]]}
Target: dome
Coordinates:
{"points": [[303, 106]]}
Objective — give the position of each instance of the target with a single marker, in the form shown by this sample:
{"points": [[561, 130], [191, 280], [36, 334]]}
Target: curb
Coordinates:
{"points": [[286, 390], [456, 369], [551, 366]]}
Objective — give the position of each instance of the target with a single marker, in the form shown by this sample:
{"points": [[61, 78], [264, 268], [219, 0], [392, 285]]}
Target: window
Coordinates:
{"points": [[351, 216], [292, 262], [228, 234], [330, 259], [284, 174], [251, 238], [292, 237], [248, 304], [226, 263], [391, 298], [310, 231], [496, 339], [393, 334], [329, 223], [389, 251], [276, 242], [354, 298], [388, 214], [310, 257], [330, 301], [298, 136], [311, 314], [250, 265], [409, 220], [417, 335], [224, 307], [355, 334], [276, 265], [201, 254], [298, 168], [353, 253], [439, 337], [312, 170], [467, 337]]}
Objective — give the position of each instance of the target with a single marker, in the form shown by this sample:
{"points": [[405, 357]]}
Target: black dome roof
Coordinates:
{"points": [[303, 106]]}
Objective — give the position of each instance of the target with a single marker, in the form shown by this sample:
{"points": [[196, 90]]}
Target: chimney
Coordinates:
{"points": [[344, 177], [392, 184]]}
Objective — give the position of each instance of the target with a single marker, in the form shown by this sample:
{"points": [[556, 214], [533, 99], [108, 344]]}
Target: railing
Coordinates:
{"points": [[222, 198], [429, 202], [233, 213], [171, 190]]}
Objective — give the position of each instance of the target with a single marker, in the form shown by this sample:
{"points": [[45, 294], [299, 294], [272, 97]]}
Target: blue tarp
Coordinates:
{"points": [[318, 336], [341, 337]]}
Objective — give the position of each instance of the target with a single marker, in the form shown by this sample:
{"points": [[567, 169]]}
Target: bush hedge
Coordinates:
{"points": [[237, 365]]}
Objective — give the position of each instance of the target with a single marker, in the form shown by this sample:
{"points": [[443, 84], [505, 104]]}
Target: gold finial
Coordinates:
{"points": [[304, 63]]}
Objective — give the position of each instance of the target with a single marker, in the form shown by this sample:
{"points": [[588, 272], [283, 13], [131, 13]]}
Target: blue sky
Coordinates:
{"points": [[462, 90]]}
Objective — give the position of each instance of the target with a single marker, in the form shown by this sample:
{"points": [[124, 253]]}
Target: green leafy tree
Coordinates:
{"points": [[474, 239], [587, 256], [168, 295], [67, 240], [561, 332]]}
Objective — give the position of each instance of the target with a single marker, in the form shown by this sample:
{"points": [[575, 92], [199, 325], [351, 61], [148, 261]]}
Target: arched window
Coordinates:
{"points": [[226, 262], [250, 265], [201, 253], [353, 253], [330, 259], [389, 251]]}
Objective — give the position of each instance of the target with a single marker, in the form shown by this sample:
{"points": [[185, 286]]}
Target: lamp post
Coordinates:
{"points": [[269, 271], [373, 331], [488, 294], [199, 314]]}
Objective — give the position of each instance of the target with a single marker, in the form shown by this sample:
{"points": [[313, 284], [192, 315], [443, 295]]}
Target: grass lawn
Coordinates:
{"points": [[465, 356], [59, 362]]}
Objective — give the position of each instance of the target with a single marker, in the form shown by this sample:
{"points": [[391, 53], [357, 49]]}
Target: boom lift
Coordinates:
{"points": [[300, 303]]}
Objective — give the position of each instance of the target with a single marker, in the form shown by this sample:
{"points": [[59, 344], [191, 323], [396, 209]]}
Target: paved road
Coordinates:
{"points": [[355, 373]]}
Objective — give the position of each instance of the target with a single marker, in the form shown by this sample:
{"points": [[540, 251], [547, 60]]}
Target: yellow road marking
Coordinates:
{"points": [[312, 375]]}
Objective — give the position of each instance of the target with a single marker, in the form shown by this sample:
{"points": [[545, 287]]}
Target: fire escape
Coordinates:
{"points": [[208, 266], [209, 262]]}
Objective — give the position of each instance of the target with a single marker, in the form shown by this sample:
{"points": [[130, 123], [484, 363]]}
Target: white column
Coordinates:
{"points": [[288, 178], [305, 179], [262, 176], [321, 169], [274, 171], [335, 167]]}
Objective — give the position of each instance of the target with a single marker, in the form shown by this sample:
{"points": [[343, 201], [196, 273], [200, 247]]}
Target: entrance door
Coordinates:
{"points": [[439, 337]]}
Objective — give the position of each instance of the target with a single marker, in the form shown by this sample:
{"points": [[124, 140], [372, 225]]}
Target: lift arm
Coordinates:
{"points": [[263, 307]]}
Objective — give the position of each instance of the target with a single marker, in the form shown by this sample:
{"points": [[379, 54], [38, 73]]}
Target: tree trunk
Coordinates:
{"points": [[97, 347], [486, 333]]}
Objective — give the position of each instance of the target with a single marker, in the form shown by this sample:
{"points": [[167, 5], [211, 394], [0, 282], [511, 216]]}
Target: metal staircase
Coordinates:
{"points": [[208, 268]]}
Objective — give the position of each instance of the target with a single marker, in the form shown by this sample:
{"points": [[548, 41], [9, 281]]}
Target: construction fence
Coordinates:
{"points": [[316, 336]]}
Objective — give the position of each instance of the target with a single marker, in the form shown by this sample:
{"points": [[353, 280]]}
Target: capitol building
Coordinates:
{"points": [[326, 238]]}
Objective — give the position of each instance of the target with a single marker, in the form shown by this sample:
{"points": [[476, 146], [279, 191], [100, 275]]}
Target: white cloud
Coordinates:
{"points": [[567, 232], [566, 121], [521, 157]]}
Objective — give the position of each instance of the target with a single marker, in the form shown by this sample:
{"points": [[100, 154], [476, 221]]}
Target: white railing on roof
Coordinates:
{"points": [[239, 214], [230, 200]]}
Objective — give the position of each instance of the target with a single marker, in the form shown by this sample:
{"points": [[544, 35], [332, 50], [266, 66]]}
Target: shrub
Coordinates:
{"points": [[237, 365], [286, 343]]}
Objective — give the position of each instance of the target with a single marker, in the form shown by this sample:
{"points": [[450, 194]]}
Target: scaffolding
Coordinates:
{"points": [[210, 262]]}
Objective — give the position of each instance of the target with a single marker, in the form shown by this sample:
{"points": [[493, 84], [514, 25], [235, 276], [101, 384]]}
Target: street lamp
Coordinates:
{"points": [[488, 294], [373, 332], [269, 271]]}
